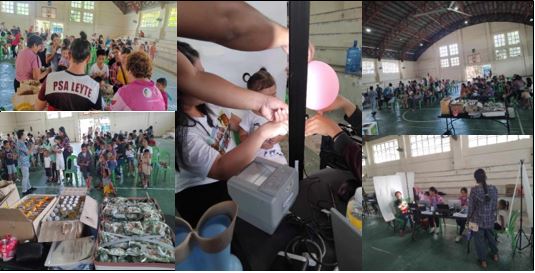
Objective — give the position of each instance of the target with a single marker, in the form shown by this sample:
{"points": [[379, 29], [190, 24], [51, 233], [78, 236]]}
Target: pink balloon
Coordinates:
{"points": [[322, 85]]}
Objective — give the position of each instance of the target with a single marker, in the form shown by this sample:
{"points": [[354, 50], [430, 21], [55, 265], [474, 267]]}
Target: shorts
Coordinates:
{"points": [[48, 172], [146, 176], [11, 169], [130, 160], [85, 173]]}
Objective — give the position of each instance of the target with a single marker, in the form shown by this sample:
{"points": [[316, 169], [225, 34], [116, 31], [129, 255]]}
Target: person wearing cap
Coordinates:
{"points": [[28, 64]]}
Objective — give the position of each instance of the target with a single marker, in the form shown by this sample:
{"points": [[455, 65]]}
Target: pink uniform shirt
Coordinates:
{"points": [[138, 96]]}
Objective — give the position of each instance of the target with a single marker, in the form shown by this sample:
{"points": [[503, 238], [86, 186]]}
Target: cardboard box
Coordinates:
{"points": [[14, 222], [52, 231], [10, 195], [131, 266], [445, 106]]}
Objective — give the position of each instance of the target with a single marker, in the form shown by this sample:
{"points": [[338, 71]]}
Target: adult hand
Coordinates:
{"points": [[321, 125], [311, 50], [274, 109]]}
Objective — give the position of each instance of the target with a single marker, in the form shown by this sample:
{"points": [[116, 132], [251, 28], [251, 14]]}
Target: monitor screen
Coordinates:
{"points": [[257, 173]]}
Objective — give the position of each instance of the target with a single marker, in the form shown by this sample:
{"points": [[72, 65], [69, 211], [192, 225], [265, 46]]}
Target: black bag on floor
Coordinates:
{"points": [[29, 252]]}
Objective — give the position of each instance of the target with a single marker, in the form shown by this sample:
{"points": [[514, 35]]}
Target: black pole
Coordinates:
{"points": [[298, 22]]}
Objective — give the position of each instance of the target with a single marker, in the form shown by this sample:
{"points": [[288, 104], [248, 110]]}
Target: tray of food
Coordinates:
{"points": [[133, 234], [33, 206]]}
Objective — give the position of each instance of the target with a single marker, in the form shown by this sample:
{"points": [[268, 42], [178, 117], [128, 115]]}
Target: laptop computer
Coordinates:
{"points": [[347, 242]]}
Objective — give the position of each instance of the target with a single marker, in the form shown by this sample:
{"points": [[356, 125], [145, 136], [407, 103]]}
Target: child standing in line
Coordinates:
{"points": [[9, 161], [161, 84], [130, 154], [107, 183], [47, 163], [84, 161], [146, 167], [60, 162]]}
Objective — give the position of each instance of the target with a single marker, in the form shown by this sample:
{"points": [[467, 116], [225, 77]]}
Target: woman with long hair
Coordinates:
{"points": [[482, 209]]}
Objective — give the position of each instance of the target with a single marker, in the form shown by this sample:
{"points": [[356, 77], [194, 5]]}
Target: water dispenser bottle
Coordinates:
{"points": [[353, 61]]}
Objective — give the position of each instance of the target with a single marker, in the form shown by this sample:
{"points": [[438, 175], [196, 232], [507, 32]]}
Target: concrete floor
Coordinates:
{"points": [[161, 189], [384, 249], [425, 121], [7, 75]]}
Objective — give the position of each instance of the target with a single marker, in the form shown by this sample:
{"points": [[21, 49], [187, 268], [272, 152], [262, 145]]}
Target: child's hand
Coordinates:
{"points": [[268, 144], [321, 125], [273, 129]]}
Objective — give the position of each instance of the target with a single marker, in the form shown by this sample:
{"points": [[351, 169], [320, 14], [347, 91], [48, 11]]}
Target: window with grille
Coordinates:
{"points": [[23, 8], [8, 6], [368, 68], [480, 140], [150, 19], [389, 67], [427, 145], [386, 151]]}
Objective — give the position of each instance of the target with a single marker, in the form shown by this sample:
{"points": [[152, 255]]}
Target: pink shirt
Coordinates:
{"points": [[138, 96], [165, 99], [25, 63]]}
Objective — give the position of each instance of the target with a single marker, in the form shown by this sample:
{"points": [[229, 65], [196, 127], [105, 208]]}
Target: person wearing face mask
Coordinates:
{"points": [[28, 64], [71, 89]]}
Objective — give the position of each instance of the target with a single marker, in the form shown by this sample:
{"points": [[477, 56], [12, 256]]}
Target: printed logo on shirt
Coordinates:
{"points": [[147, 93], [221, 134]]}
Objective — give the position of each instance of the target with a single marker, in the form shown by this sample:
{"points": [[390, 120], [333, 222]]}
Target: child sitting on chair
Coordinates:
{"points": [[262, 82], [112, 163], [501, 216], [146, 167], [84, 161]]}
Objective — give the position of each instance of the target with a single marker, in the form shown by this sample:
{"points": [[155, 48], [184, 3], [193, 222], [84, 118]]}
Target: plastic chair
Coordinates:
{"points": [[72, 168], [164, 163], [154, 161], [510, 229]]}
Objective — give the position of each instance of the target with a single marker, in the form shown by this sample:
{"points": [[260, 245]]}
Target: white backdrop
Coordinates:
{"points": [[231, 64], [386, 186]]}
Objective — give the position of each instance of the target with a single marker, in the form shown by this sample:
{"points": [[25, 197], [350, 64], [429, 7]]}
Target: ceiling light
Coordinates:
{"points": [[421, 44], [368, 29], [456, 8], [531, 19], [466, 22]]}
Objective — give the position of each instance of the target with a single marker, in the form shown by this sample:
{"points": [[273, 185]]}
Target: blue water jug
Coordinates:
{"points": [[353, 60]]}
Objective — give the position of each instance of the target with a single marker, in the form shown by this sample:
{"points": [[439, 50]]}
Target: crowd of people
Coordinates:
{"points": [[499, 88], [104, 156], [412, 94], [88, 73], [485, 214]]}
